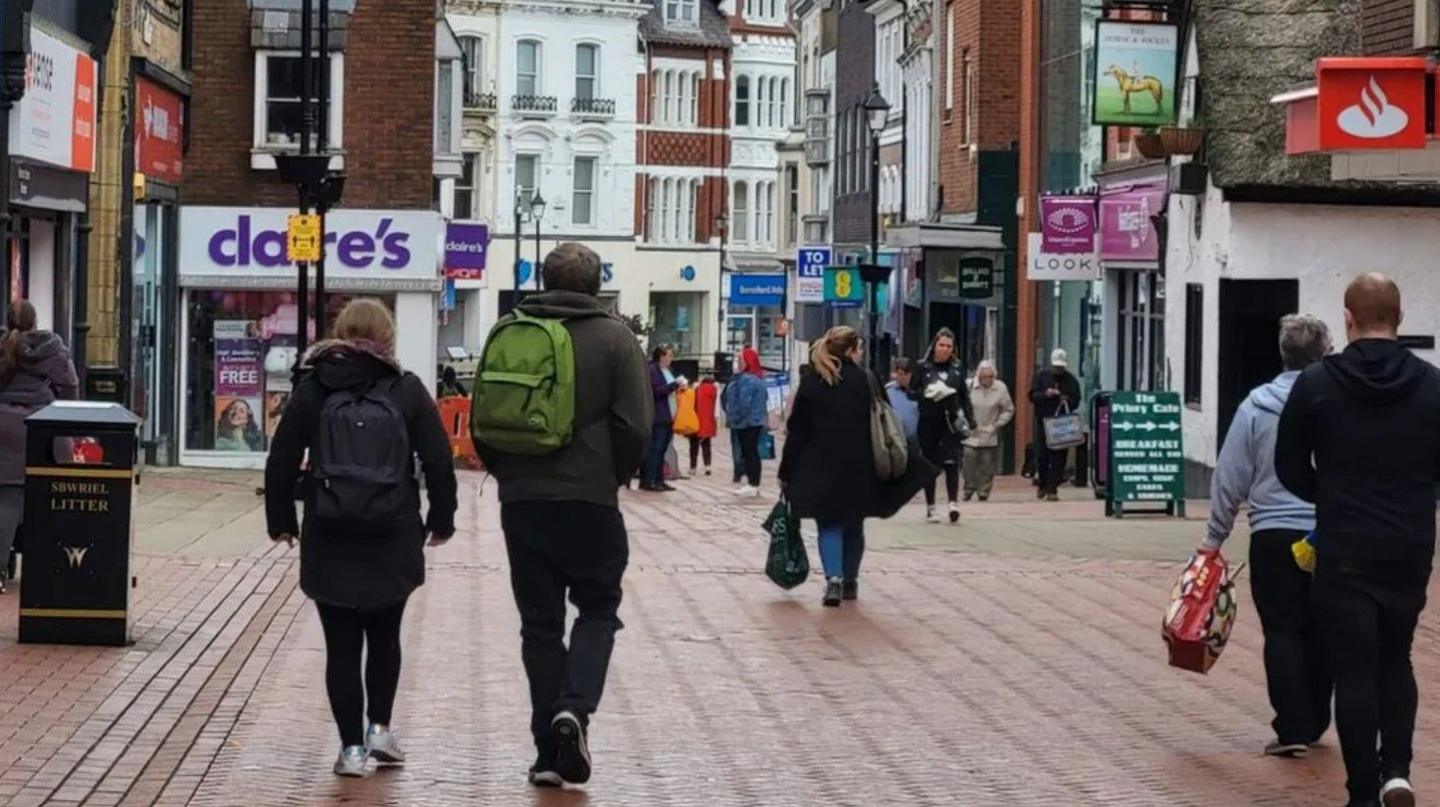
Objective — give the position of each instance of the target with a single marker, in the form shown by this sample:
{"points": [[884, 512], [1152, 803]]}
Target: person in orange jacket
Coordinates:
{"points": [[705, 396]]}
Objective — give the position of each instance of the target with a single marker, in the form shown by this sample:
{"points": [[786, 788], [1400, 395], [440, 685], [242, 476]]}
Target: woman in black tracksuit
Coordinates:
{"points": [[938, 385]]}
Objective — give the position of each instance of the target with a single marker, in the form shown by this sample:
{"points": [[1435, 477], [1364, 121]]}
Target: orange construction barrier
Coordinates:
{"points": [[455, 414]]}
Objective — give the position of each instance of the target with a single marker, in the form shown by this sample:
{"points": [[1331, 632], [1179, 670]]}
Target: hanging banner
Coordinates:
{"points": [[1127, 230], [1136, 72], [160, 137], [465, 247], [1068, 224]]}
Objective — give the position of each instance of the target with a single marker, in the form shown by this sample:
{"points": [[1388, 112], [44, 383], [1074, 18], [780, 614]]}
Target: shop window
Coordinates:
{"points": [[583, 197], [527, 68], [1194, 341], [675, 320], [587, 71], [278, 90], [240, 353]]}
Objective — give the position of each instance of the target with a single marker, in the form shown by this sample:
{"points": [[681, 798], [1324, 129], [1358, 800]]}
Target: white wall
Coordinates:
{"points": [[43, 273], [1323, 246]]}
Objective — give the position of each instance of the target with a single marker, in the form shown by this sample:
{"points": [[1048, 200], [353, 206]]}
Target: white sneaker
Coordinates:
{"points": [[351, 761], [383, 745], [1397, 793], [748, 492], [954, 512], [930, 514]]}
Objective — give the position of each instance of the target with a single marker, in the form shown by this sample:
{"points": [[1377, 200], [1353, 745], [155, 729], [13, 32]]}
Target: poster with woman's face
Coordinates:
{"points": [[237, 424]]}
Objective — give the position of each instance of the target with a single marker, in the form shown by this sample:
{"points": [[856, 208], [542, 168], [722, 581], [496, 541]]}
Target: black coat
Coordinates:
{"points": [[369, 568], [938, 438], [828, 467], [1360, 437], [1045, 406]]}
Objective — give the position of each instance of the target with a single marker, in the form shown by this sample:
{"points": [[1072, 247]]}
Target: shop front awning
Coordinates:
{"points": [[939, 235]]}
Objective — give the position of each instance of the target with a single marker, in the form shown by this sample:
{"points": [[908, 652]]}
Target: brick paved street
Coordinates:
{"points": [[972, 673]]}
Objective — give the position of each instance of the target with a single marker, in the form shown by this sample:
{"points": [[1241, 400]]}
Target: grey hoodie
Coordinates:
{"points": [[612, 412], [1245, 470]]}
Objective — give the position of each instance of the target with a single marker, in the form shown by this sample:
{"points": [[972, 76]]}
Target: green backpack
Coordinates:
{"points": [[524, 397]]}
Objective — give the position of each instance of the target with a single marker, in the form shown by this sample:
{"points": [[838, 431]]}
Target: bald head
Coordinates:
{"points": [[1372, 307]]}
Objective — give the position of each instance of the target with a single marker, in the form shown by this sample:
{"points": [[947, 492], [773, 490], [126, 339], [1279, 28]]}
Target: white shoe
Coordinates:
{"points": [[1397, 793], [954, 512], [930, 514], [383, 745], [351, 761], [748, 492]]}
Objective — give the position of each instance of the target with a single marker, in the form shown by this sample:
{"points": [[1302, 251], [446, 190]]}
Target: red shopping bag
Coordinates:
{"points": [[1201, 613]]}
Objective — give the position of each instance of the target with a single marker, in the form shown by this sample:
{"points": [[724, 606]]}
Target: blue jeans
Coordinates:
{"points": [[841, 548], [654, 471]]}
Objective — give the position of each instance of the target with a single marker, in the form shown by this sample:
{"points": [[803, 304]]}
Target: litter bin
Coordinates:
{"points": [[79, 484]]}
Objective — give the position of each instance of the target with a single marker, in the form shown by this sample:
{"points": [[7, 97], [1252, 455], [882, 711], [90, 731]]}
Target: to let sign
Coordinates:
{"points": [[1147, 463], [810, 263], [302, 237]]}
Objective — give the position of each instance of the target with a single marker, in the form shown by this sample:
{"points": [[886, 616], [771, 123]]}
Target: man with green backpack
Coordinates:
{"points": [[560, 415]]}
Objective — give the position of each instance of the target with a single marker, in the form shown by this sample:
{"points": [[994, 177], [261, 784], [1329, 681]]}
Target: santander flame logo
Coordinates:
{"points": [[1374, 117]]}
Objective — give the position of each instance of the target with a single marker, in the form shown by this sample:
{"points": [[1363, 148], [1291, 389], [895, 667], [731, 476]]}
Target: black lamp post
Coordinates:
{"points": [[722, 226], [537, 210], [877, 114], [519, 230]]}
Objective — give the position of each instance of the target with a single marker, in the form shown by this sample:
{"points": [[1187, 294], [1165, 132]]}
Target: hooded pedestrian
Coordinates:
{"points": [[946, 415], [1360, 438], [994, 409], [746, 402], [35, 371], [828, 468], [1054, 391], [564, 533], [1296, 672], [363, 421]]}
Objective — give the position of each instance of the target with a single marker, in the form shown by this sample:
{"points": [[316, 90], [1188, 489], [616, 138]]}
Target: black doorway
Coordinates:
{"points": [[1250, 312]]}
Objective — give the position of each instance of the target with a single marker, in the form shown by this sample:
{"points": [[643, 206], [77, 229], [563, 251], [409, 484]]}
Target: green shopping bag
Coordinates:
{"points": [[787, 564]]}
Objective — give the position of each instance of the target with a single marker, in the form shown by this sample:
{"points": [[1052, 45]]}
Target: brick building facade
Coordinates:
{"points": [[978, 96]]}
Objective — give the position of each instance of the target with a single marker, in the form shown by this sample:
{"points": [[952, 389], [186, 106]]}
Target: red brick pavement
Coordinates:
{"points": [[959, 679]]}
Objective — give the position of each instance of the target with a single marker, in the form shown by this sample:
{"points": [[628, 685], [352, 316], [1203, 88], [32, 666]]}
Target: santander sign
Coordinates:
{"points": [[1371, 103]]}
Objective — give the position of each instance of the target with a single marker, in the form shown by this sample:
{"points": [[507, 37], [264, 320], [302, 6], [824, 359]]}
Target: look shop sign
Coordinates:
{"points": [[1147, 461]]}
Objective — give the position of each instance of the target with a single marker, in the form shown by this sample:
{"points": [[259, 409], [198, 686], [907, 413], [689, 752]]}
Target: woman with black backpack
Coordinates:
{"points": [[363, 421]]}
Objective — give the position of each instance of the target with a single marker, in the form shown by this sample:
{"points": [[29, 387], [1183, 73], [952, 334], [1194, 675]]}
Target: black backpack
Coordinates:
{"points": [[362, 469]]}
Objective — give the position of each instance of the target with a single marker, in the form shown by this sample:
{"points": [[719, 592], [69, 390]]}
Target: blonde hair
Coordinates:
{"points": [[368, 322], [827, 351]]}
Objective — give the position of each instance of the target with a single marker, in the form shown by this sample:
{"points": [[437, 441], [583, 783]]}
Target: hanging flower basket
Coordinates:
{"points": [[1181, 141], [1149, 145]]}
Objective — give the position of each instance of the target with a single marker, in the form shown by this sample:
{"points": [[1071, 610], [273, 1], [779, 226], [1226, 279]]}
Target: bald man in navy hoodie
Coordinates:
{"points": [[1360, 437]]}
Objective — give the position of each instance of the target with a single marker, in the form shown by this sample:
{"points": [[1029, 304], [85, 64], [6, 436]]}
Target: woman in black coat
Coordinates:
{"points": [[828, 469], [938, 385], [360, 571]]}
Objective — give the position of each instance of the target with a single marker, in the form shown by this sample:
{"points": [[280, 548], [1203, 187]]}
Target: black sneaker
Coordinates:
{"points": [[1397, 792], [1276, 748], [572, 755], [542, 773], [834, 593], [850, 590]]}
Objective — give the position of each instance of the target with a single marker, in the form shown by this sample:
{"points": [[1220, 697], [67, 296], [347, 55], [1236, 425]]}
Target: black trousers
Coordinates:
{"points": [[348, 633], [1370, 610], [1297, 673], [750, 451], [698, 446], [1051, 467], [558, 549], [952, 484]]}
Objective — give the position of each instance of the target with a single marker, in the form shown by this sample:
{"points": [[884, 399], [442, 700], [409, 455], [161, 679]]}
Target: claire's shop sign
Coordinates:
{"points": [[369, 244]]}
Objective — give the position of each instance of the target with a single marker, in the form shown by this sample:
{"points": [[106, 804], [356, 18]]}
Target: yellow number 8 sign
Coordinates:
{"points": [[843, 285]]}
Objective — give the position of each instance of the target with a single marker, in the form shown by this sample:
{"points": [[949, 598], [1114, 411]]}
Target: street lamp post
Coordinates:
{"points": [[877, 113], [722, 226], [537, 210], [519, 230]]}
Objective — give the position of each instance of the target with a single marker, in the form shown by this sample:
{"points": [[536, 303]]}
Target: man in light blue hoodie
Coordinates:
{"points": [[1296, 674]]}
